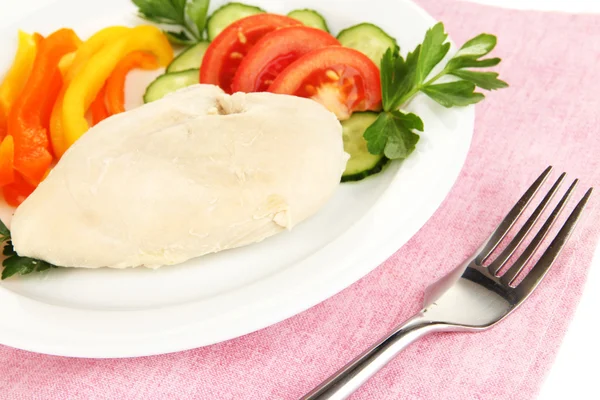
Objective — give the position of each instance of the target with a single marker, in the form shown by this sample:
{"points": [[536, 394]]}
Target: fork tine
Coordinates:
{"points": [[522, 261], [511, 218], [537, 273], [500, 261]]}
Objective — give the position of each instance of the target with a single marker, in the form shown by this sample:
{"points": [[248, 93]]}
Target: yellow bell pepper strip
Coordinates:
{"points": [[17, 76], [115, 85], [7, 157], [30, 114], [19, 72], [65, 63], [80, 60], [85, 86]]}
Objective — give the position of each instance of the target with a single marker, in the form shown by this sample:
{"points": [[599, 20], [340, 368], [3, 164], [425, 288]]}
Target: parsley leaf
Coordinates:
{"points": [[187, 15], [468, 62], [197, 11], [397, 77], [180, 38], [484, 80], [479, 46], [433, 50], [160, 11], [4, 232], [392, 134], [458, 93], [13, 263]]}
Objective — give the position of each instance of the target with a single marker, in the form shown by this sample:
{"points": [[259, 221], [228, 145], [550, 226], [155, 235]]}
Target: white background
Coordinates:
{"points": [[574, 373]]}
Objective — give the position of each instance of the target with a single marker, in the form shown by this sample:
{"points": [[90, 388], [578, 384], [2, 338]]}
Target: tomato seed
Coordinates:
{"points": [[331, 74], [310, 89], [268, 82], [236, 56], [242, 38]]}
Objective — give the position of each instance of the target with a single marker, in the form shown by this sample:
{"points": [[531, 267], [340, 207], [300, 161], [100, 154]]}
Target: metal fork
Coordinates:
{"points": [[473, 297]]}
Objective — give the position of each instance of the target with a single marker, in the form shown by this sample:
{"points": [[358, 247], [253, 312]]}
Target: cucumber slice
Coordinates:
{"points": [[190, 59], [369, 39], [310, 18], [226, 15], [168, 83], [361, 163]]}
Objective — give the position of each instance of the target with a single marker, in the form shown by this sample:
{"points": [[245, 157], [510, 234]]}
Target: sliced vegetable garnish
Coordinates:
{"points": [[17, 76], [98, 107], [228, 14], [115, 85], [226, 52], [342, 79], [169, 83], [361, 163], [369, 39], [16, 192], [189, 59], [3, 127], [310, 18], [7, 159], [87, 83], [275, 52], [82, 57], [187, 17], [29, 117], [393, 133]]}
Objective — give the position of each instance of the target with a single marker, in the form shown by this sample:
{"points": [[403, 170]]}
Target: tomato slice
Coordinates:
{"points": [[226, 52], [344, 80], [274, 53]]}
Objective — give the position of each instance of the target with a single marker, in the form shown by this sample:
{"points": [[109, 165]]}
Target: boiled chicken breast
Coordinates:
{"points": [[194, 173]]}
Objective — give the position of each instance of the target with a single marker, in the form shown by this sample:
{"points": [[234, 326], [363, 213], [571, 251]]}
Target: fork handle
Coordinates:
{"points": [[348, 379]]}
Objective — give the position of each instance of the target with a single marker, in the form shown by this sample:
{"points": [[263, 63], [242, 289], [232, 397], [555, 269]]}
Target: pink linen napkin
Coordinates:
{"points": [[550, 115]]}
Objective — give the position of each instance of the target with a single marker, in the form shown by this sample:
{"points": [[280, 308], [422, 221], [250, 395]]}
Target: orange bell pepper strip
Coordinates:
{"points": [[3, 127], [115, 85], [17, 76], [81, 59], [18, 191], [98, 107], [29, 117], [7, 157], [87, 83], [38, 38]]}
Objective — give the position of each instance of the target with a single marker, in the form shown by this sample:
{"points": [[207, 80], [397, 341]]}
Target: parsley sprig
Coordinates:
{"points": [[188, 16], [13, 263], [393, 133]]}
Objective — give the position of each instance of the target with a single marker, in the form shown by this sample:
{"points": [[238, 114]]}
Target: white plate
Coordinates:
{"points": [[112, 313]]}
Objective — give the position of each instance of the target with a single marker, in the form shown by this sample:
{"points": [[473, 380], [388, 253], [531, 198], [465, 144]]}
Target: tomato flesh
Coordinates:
{"points": [[237, 52], [226, 52], [341, 79], [266, 77], [340, 88], [276, 51]]}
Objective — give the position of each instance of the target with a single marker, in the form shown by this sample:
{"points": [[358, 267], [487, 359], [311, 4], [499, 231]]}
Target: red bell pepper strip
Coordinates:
{"points": [[18, 191]]}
